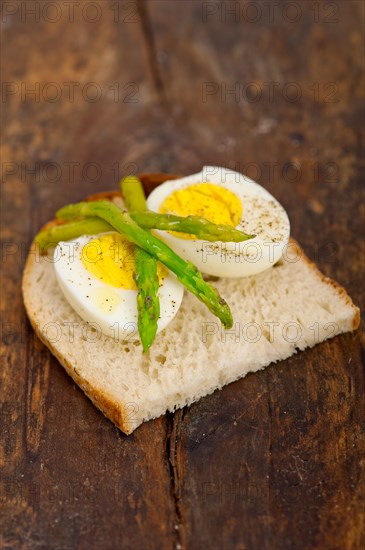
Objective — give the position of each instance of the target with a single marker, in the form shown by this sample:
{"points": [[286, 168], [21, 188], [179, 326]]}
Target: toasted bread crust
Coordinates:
{"points": [[114, 411], [339, 289]]}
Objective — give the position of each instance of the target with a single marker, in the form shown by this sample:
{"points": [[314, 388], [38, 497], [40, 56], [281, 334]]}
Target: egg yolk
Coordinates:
{"points": [[207, 200], [111, 259]]}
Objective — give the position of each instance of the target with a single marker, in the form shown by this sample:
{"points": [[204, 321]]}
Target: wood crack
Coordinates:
{"points": [[36, 390], [151, 49], [175, 461], [270, 414]]}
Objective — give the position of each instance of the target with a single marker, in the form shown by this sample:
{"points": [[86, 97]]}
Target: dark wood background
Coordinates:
{"points": [[274, 461]]}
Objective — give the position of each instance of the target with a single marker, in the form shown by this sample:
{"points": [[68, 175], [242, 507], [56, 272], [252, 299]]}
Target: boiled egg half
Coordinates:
{"points": [[97, 277], [224, 196]]}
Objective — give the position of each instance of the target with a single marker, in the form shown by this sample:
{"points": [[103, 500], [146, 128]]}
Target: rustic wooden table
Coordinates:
{"points": [[94, 90]]}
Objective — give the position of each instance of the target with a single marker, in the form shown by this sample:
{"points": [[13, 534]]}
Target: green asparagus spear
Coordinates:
{"points": [[148, 303], [185, 272], [202, 228], [133, 194], [68, 231]]}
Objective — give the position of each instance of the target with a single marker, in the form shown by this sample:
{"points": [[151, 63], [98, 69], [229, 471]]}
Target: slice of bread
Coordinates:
{"points": [[284, 309]]}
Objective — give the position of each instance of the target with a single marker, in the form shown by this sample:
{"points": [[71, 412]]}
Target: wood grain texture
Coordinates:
{"points": [[274, 461]]}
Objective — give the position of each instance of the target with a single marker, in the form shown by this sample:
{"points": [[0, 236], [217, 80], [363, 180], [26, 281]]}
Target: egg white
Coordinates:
{"points": [[111, 310], [263, 216]]}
